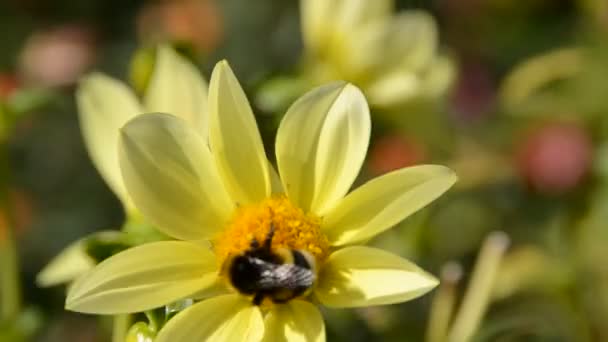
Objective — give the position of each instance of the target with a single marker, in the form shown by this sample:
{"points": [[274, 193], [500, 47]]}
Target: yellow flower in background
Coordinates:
{"points": [[392, 58], [104, 106], [277, 243]]}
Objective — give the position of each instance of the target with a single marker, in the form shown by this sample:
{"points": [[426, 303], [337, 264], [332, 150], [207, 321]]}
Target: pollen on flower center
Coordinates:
{"points": [[293, 229]]}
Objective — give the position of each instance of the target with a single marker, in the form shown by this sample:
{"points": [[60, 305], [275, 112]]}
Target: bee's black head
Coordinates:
{"points": [[245, 274]]}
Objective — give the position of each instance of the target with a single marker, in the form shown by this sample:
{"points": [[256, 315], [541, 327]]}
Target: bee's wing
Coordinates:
{"points": [[286, 276]]}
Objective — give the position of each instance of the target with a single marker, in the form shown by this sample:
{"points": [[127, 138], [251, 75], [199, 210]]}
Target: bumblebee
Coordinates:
{"points": [[279, 275]]}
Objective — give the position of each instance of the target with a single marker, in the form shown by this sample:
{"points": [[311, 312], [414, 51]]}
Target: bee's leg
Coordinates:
{"points": [[268, 241], [258, 298], [298, 291]]}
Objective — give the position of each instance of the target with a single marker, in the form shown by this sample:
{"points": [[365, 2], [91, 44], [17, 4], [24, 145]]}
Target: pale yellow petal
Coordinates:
{"points": [[351, 14], [104, 106], [275, 180], [363, 276], [394, 88], [321, 144], [221, 319], [316, 20], [295, 146], [411, 40], [177, 88], [235, 140], [143, 278], [358, 59], [329, 26], [172, 178], [218, 288], [73, 261], [439, 77], [296, 321], [385, 201]]}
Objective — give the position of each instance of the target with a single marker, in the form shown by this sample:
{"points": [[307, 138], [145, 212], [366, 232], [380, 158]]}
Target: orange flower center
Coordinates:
{"points": [[293, 229]]}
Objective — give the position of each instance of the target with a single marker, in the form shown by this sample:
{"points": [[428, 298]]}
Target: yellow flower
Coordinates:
{"points": [[393, 59], [104, 106], [220, 187]]}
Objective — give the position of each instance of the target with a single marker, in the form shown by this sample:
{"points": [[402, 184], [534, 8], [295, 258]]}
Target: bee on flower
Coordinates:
{"points": [[280, 242]]}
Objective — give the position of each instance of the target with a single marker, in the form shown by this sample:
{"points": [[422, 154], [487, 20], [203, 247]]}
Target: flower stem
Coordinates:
{"points": [[120, 327], [476, 297], [10, 291], [443, 303], [10, 294]]}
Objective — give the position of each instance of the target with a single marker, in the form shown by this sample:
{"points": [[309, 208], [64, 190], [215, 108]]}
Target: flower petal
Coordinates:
{"points": [[171, 177], [394, 88], [363, 276], [105, 105], [411, 40], [440, 75], [316, 20], [177, 88], [321, 144], [355, 13], [275, 180], [296, 321], [221, 319], [143, 278], [73, 261], [218, 288], [235, 139], [385, 201], [328, 24]]}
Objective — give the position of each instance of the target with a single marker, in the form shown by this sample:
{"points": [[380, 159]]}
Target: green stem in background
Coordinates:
{"points": [[10, 290], [444, 301], [10, 293], [155, 319], [120, 327], [477, 295]]}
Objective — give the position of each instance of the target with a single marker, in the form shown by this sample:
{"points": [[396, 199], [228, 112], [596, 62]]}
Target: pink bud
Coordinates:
{"points": [[555, 158]]}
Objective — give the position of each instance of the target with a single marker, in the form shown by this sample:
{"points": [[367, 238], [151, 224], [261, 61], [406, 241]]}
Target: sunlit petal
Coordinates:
{"points": [[364, 276], [218, 288], [235, 139], [296, 321], [385, 201], [143, 278], [104, 106], [321, 144], [177, 88], [171, 177], [221, 319]]}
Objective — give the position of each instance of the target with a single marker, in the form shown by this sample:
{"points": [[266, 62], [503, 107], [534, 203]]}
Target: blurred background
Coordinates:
{"points": [[513, 95]]}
